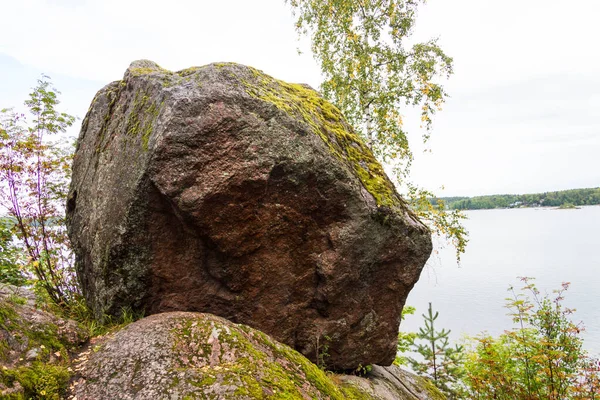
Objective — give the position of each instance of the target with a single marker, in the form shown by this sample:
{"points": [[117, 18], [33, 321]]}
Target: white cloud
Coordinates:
{"points": [[524, 111], [98, 39]]}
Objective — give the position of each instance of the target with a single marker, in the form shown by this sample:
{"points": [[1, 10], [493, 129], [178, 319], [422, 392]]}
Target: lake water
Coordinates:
{"points": [[552, 245]]}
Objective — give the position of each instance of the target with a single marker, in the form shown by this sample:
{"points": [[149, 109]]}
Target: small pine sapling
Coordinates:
{"points": [[441, 362]]}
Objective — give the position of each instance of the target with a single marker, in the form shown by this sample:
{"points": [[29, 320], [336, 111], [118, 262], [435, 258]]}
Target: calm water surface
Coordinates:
{"points": [[552, 245]]}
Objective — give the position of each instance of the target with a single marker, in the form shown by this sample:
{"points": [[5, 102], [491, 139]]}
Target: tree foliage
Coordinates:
{"points": [[541, 358], [371, 72], [11, 257], [405, 339], [34, 171]]}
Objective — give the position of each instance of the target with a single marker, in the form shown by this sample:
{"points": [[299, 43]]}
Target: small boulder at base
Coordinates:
{"points": [[182, 355], [222, 190], [390, 383]]}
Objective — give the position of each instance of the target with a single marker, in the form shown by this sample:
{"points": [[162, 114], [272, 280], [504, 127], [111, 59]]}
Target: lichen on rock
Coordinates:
{"points": [[324, 119]]}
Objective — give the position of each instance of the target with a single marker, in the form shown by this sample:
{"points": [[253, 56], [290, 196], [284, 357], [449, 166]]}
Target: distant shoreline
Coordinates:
{"points": [[564, 199], [541, 208]]}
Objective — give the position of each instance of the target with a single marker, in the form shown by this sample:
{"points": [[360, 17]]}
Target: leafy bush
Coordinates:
{"points": [[542, 358], [11, 256], [34, 174]]}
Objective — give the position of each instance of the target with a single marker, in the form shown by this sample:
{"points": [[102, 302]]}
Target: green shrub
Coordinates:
{"points": [[34, 178], [11, 257], [440, 362], [541, 358]]}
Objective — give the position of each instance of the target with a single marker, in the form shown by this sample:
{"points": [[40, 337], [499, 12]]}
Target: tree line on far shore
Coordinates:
{"points": [[563, 198]]}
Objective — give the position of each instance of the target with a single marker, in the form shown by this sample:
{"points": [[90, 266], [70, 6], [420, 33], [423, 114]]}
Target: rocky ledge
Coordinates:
{"points": [[182, 355], [172, 356]]}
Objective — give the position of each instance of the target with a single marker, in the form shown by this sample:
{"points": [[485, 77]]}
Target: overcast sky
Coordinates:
{"points": [[524, 115]]}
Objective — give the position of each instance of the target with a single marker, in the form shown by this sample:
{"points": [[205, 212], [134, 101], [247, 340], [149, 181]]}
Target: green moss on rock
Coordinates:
{"points": [[245, 362], [326, 121], [200, 356], [141, 120], [301, 103], [34, 349], [145, 67], [44, 336], [432, 390], [38, 381]]}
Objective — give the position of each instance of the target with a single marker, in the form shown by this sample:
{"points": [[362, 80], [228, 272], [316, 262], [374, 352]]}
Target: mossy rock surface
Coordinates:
{"points": [[182, 355], [223, 190], [35, 347], [391, 383]]}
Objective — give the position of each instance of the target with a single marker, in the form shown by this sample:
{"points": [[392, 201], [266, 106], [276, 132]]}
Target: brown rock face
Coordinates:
{"points": [[220, 189]]}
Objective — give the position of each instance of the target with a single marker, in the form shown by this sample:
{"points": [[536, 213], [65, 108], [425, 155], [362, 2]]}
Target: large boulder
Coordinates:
{"points": [[220, 189], [182, 355]]}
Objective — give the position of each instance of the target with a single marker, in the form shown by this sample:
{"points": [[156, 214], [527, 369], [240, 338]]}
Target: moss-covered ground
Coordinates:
{"points": [[44, 373]]}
